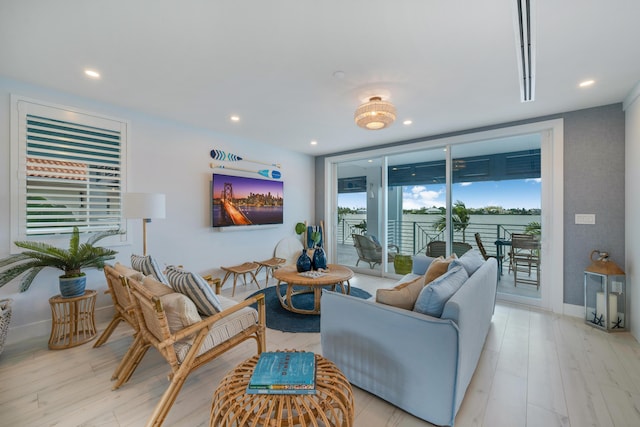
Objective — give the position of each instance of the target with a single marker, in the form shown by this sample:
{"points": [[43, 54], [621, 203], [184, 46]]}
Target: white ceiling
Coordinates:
{"points": [[447, 65]]}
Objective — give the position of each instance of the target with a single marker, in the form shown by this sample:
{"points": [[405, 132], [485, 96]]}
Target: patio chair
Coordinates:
{"points": [[525, 259], [437, 248], [482, 250], [186, 348], [370, 251]]}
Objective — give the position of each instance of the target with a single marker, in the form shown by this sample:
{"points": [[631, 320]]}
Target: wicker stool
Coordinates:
{"points": [[332, 405], [247, 267], [269, 265]]}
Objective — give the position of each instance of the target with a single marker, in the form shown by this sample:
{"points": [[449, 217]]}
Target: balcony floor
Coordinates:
{"points": [[347, 256]]}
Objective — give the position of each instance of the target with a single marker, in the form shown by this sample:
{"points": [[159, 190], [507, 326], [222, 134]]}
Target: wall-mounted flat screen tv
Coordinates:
{"points": [[238, 201]]}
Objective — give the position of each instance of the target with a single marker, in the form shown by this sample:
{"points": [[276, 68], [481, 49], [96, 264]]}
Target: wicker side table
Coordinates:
{"points": [[332, 405], [72, 320]]}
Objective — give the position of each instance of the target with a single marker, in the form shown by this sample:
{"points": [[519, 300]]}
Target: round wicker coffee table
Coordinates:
{"points": [[332, 405], [334, 275]]}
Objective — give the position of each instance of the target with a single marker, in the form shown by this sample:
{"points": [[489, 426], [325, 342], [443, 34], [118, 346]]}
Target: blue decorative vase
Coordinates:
{"points": [[304, 262], [319, 259], [72, 286]]}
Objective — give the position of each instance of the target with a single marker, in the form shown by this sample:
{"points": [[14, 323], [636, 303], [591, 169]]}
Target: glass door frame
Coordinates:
{"points": [[552, 242]]}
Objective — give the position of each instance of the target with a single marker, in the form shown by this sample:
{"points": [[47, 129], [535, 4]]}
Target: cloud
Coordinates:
{"points": [[418, 196], [465, 184], [534, 180]]}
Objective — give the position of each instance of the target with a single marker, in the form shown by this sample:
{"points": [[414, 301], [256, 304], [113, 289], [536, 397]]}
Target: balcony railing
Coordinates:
{"points": [[412, 237]]}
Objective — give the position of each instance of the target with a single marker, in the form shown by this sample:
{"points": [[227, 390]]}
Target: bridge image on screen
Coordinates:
{"points": [[241, 201]]}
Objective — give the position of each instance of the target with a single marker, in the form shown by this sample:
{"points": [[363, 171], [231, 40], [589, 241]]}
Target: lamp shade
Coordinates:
{"points": [[375, 114], [143, 205]]}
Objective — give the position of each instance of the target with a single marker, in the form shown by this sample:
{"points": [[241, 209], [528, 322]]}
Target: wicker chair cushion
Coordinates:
{"points": [[128, 272], [196, 288], [149, 267], [221, 331], [180, 311], [157, 288]]}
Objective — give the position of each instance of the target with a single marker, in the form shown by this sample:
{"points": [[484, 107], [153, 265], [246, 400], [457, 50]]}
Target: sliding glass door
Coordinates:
{"points": [[484, 193]]}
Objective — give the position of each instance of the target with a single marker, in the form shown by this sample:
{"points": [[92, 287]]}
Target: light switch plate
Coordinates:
{"points": [[585, 218]]}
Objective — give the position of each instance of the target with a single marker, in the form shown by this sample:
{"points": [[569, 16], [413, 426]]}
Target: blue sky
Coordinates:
{"points": [[521, 193]]}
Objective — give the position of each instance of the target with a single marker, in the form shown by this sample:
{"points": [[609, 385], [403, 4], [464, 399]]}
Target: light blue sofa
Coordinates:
{"points": [[418, 363]]}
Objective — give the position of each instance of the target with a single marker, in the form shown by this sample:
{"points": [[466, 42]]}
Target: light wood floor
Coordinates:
{"points": [[537, 369]]}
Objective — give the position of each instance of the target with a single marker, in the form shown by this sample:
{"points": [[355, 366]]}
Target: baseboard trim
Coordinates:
{"points": [[42, 329], [573, 310]]}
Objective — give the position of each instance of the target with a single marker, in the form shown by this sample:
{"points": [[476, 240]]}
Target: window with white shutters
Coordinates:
{"points": [[70, 170]]}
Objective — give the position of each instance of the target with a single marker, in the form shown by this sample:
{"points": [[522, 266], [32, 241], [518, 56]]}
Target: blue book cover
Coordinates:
{"points": [[283, 370]]}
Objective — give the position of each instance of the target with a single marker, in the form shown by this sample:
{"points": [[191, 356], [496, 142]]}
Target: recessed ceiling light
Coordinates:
{"points": [[370, 161], [407, 122], [587, 83], [234, 118], [314, 142], [92, 73]]}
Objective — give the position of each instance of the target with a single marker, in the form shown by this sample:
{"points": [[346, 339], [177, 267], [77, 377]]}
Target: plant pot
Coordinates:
{"points": [[403, 264], [72, 286]]}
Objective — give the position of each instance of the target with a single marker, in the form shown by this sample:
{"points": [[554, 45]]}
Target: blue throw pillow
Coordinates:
{"points": [[470, 260], [435, 295], [421, 263]]}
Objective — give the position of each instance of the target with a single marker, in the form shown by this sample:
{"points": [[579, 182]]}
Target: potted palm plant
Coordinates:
{"points": [[39, 255]]}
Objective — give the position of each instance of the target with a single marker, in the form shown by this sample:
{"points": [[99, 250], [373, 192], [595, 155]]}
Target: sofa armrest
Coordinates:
{"points": [[404, 357]]}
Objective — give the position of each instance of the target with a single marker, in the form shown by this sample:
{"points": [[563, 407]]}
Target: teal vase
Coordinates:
{"points": [[304, 262], [319, 259], [72, 286]]}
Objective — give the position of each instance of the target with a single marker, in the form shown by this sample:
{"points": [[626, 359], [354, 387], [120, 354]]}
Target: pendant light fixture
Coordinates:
{"points": [[375, 114]]}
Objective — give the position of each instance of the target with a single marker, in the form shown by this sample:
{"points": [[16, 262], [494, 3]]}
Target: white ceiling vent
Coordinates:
{"points": [[524, 26]]}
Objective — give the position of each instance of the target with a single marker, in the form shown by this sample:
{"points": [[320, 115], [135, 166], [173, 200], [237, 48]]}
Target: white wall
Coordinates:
{"points": [[170, 158], [632, 205]]}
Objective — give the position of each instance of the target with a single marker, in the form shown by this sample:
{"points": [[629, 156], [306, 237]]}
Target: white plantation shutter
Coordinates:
{"points": [[70, 170]]}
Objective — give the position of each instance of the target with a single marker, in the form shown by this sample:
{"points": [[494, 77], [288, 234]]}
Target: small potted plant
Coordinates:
{"points": [[39, 255]]}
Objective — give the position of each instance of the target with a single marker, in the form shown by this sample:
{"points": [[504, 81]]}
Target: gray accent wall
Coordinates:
{"points": [[594, 184]]}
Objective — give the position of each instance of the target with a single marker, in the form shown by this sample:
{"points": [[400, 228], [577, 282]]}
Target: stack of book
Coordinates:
{"points": [[284, 372]]}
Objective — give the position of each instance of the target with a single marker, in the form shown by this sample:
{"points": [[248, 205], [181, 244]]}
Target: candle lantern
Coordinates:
{"points": [[604, 293]]}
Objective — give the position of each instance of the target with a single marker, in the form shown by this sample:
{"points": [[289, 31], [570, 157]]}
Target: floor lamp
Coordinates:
{"points": [[145, 206]]}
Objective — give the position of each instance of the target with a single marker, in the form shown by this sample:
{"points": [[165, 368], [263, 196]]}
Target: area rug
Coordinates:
{"points": [[286, 321]]}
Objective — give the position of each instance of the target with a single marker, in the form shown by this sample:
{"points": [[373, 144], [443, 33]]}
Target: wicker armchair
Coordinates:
{"points": [[122, 303], [191, 347]]}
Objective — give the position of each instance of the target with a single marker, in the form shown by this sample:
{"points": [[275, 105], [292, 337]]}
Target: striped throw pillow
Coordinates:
{"points": [[149, 267], [196, 288]]}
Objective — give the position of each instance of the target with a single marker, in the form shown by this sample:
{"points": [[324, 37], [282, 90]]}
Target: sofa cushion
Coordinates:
{"points": [[434, 296], [157, 288], [437, 268], [196, 288], [128, 272], [403, 295], [148, 266], [180, 310], [470, 260], [421, 263]]}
